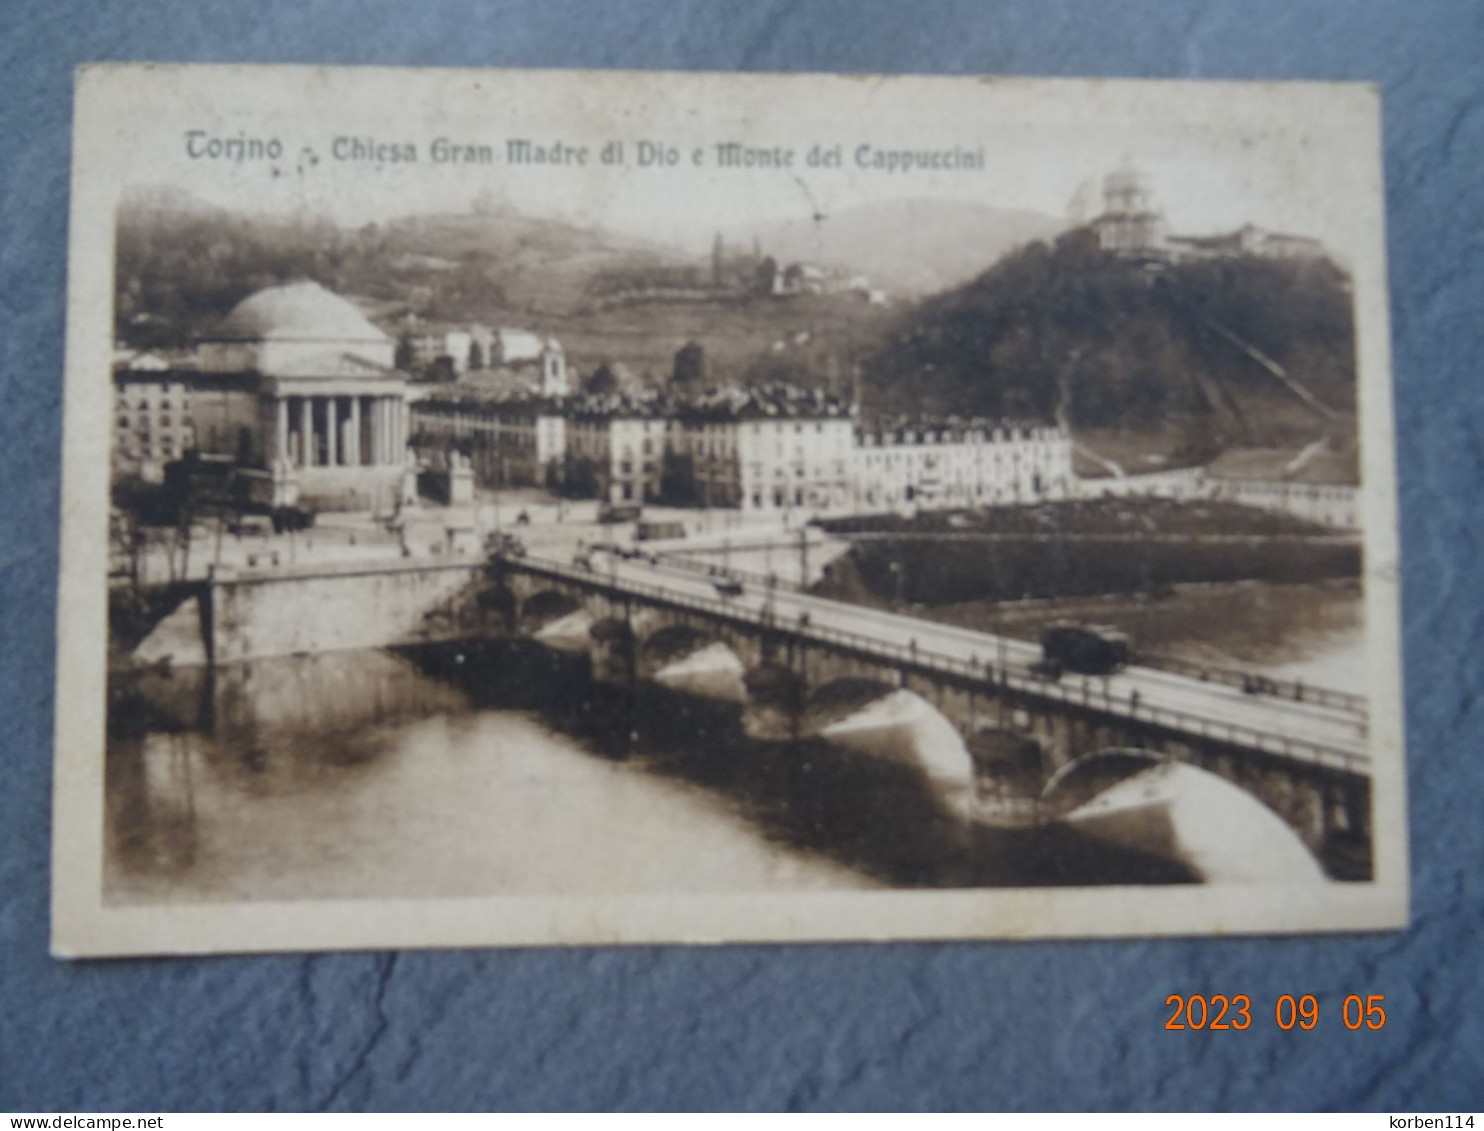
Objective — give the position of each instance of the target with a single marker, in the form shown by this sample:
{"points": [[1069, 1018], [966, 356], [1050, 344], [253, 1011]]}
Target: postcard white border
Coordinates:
{"points": [[84, 926]]}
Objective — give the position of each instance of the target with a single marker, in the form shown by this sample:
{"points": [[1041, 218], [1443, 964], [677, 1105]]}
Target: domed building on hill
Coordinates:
{"points": [[1130, 223], [296, 381]]}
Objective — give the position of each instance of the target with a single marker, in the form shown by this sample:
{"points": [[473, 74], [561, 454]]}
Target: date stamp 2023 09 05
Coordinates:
{"points": [[1234, 1011]]}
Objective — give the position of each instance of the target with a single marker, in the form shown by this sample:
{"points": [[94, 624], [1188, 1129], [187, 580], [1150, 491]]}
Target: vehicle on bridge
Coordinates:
{"points": [[659, 530], [1087, 649], [728, 587], [501, 542], [619, 512]]}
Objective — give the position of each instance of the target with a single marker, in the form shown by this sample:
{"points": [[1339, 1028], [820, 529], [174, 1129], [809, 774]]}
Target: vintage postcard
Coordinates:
{"points": [[534, 507]]}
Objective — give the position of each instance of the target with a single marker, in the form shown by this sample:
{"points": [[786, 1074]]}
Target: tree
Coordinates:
{"points": [[767, 275], [604, 380], [404, 356], [690, 365], [476, 356], [579, 477]]}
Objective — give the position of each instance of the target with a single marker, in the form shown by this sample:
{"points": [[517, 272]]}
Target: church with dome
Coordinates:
{"points": [[1132, 225], [295, 381]]}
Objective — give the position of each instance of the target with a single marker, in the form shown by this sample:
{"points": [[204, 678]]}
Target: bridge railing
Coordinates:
{"points": [[928, 662], [695, 564], [1296, 690]]}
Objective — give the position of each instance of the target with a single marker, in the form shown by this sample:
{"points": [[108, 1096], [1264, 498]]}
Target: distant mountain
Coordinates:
{"points": [[911, 247]]}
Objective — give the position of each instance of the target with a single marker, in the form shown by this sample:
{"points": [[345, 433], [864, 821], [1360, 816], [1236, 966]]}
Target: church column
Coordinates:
{"points": [[332, 431], [355, 431], [306, 432], [283, 429], [399, 430]]}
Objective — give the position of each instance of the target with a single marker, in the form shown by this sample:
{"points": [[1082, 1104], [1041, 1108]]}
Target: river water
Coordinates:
{"points": [[505, 769], [363, 774]]}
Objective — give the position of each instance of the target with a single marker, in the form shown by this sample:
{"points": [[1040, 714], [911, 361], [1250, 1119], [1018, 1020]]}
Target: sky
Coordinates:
{"points": [[1286, 158]]}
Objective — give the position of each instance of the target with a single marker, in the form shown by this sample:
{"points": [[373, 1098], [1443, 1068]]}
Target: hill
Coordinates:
{"points": [[1229, 350], [541, 266], [911, 247], [181, 263]]}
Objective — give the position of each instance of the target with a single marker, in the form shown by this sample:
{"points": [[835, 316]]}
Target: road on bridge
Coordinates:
{"points": [[1329, 735]]}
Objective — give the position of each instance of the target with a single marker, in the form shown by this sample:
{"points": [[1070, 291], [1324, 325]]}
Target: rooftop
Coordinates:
{"points": [[761, 402], [299, 311]]}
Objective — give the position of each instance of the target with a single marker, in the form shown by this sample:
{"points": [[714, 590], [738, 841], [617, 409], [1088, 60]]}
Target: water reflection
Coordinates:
{"points": [[504, 769]]}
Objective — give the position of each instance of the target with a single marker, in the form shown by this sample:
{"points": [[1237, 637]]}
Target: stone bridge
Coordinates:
{"points": [[796, 668]]}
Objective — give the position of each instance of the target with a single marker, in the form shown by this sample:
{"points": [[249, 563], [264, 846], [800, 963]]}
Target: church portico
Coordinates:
{"points": [[337, 430], [346, 440]]}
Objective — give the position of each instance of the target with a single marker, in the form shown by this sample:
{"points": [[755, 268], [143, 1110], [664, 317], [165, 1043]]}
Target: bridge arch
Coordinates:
{"points": [[556, 619], [686, 658], [884, 721], [1164, 807], [547, 605], [671, 643]]}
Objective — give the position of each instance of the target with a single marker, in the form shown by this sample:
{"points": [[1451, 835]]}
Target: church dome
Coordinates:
{"points": [[301, 311], [1124, 179]]}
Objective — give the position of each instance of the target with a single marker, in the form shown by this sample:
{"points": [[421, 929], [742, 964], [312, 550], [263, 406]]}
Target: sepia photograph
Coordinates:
{"points": [[523, 508]]}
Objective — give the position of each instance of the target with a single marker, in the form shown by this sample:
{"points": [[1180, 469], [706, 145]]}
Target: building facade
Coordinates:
{"points": [[960, 465], [519, 441], [154, 416], [1329, 504], [771, 448], [616, 449]]}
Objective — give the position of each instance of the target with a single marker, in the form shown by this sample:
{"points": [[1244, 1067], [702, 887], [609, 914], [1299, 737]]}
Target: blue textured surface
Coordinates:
{"points": [[954, 1026]]}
